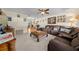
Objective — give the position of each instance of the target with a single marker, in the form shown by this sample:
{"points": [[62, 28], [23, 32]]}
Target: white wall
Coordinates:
{"points": [[18, 22], [69, 16]]}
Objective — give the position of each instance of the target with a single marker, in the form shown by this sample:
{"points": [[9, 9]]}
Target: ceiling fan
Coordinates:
{"points": [[43, 11]]}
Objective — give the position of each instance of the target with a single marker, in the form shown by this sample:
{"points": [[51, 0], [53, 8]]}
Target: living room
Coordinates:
{"points": [[41, 29]]}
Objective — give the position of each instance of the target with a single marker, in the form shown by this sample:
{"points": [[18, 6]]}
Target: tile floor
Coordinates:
{"points": [[26, 43]]}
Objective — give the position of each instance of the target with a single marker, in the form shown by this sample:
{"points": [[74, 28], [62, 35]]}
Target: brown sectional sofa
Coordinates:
{"points": [[67, 39]]}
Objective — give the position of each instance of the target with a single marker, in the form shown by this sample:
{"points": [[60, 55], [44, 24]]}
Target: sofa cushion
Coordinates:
{"points": [[62, 40], [56, 28], [48, 30], [64, 35], [54, 32], [66, 30]]}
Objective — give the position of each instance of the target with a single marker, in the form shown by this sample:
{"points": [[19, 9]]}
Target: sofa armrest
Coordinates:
{"points": [[59, 44]]}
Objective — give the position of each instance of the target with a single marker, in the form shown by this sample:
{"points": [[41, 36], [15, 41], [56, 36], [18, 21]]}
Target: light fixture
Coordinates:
{"points": [[43, 11], [77, 17], [72, 22]]}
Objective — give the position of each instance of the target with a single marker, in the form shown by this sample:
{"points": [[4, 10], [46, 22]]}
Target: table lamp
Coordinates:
{"points": [[72, 22]]}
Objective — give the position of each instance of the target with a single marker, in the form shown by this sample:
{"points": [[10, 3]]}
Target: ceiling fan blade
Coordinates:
{"points": [[46, 9], [40, 9], [47, 12]]}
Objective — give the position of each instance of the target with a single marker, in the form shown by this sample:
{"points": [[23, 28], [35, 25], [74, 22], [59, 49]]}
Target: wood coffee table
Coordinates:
{"points": [[38, 34]]}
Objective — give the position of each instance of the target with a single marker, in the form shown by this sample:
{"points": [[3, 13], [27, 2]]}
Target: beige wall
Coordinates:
{"points": [[3, 19]]}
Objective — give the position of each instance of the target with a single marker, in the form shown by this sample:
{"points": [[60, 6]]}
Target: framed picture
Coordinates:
{"points": [[9, 18], [61, 18], [49, 20], [52, 20], [58, 19], [64, 18]]}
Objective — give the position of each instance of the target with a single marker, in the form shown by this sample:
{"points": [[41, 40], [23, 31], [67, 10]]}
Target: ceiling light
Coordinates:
{"points": [[44, 11]]}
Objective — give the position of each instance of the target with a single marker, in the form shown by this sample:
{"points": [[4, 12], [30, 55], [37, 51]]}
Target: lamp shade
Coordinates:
{"points": [[77, 17], [72, 20]]}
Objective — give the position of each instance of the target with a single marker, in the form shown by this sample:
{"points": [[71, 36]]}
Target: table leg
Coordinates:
{"points": [[30, 34], [37, 39], [47, 35]]}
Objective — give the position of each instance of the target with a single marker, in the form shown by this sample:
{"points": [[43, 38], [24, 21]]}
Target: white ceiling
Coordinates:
{"points": [[33, 12]]}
